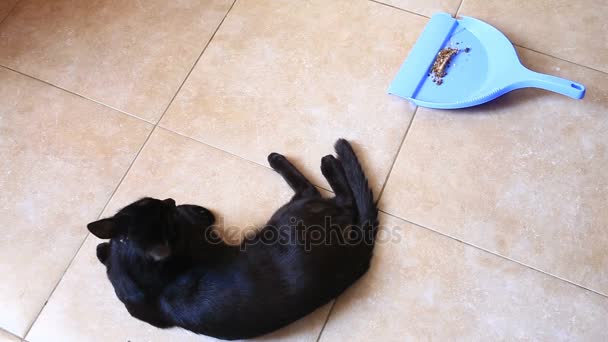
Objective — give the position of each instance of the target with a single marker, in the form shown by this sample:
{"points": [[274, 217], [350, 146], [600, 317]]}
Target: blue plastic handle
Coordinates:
{"points": [[556, 84], [528, 78]]}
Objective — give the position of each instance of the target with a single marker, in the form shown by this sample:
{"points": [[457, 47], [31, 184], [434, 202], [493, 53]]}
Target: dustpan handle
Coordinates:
{"points": [[559, 85]]}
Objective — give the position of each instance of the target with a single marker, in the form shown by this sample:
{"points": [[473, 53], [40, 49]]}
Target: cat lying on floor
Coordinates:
{"points": [[168, 271]]}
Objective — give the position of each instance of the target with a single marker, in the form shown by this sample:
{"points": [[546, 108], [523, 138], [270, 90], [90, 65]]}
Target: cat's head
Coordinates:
{"points": [[149, 227]]}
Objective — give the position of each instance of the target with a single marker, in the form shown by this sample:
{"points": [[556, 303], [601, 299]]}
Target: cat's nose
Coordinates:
{"points": [[159, 252]]}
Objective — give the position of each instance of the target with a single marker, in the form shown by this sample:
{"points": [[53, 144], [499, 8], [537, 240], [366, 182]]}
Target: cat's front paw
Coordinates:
{"points": [[275, 160], [103, 252]]}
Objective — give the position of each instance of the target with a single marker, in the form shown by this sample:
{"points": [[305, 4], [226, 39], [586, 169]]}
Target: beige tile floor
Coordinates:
{"points": [[495, 223]]}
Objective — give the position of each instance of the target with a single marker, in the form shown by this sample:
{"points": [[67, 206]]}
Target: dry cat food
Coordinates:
{"points": [[442, 62]]}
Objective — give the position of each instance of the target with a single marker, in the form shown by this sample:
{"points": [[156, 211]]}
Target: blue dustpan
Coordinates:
{"points": [[488, 70]]}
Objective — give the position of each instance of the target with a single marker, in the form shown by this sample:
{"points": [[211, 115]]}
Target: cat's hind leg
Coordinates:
{"points": [[334, 173], [300, 185]]}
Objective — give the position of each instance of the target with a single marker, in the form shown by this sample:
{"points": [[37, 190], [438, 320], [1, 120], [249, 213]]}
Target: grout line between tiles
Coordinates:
{"points": [[10, 333], [331, 309], [195, 63], [458, 9], [76, 94], [495, 254], [10, 12], [398, 8], [407, 130], [128, 169], [561, 59]]}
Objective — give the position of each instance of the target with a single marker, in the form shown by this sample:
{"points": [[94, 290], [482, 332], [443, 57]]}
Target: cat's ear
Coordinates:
{"points": [[105, 228]]}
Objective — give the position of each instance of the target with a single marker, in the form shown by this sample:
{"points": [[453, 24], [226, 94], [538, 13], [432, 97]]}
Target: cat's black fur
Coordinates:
{"points": [[168, 273]]}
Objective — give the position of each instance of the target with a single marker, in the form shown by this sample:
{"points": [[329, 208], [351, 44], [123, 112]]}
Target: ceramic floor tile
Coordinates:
{"points": [[5, 7], [573, 30], [6, 337], [62, 156], [130, 55], [296, 85], [426, 287], [427, 8], [190, 172], [523, 176]]}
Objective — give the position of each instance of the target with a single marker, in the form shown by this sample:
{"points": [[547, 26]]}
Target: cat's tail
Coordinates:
{"points": [[364, 198]]}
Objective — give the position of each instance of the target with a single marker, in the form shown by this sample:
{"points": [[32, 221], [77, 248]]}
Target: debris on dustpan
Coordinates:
{"points": [[442, 61], [472, 62]]}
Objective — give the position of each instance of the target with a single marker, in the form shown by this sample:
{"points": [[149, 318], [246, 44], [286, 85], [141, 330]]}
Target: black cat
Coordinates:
{"points": [[169, 270]]}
